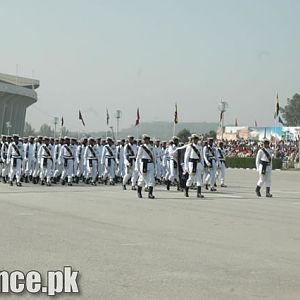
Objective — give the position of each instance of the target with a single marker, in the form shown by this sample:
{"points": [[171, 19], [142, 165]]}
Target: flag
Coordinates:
{"points": [[255, 123], [137, 122], [236, 122], [280, 121], [62, 121], [276, 107], [176, 115], [107, 117], [80, 118]]}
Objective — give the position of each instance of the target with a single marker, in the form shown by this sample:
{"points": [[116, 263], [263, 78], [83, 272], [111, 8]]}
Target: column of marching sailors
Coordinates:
{"points": [[48, 161]]}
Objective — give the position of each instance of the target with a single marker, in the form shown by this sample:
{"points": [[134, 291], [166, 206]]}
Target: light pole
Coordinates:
{"points": [[112, 131], [118, 115], [8, 126], [223, 106], [55, 123]]}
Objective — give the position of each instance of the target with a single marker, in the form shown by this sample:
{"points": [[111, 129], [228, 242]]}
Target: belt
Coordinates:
{"points": [[264, 163], [69, 157], [197, 160], [149, 161]]}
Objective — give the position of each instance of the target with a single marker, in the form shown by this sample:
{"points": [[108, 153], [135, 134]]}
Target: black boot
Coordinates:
{"points": [[124, 187], [186, 194], [168, 184], [257, 190], [179, 189], [268, 194], [26, 179], [150, 195], [199, 195], [139, 192]]}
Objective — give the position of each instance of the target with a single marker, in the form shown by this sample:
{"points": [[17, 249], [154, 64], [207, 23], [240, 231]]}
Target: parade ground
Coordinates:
{"points": [[230, 245]]}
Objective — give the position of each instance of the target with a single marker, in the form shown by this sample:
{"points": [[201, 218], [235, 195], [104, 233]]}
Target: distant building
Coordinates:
{"points": [[16, 94]]}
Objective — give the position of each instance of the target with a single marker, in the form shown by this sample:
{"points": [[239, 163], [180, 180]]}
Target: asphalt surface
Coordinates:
{"points": [[230, 245]]}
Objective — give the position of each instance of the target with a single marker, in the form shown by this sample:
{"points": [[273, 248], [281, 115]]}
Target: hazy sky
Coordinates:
{"points": [[93, 54]]}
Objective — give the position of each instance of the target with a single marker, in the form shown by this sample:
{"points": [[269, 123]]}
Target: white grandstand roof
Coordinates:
{"points": [[19, 81]]}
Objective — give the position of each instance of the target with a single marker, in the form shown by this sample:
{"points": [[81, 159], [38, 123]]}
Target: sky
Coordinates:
{"points": [[123, 54]]}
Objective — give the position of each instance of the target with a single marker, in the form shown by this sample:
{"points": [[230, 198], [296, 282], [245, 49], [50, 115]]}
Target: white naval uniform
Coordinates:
{"points": [[91, 162], [45, 160], [211, 161], [14, 159], [130, 152], [80, 159], [36, 170], [165, 164], [109, 162], [158, 157], [173, 163], [221, 165], [261, 158], [28, 159], [120, 161], [5, 165], [147, 177], [57, 166], [100, 170], [193, 164], [66, 159]]}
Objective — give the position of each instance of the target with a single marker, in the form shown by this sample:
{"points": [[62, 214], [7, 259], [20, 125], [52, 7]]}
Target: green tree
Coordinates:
{"points": [[28, 130], [184, 135], [45, 130], [291, 112], [210, 134]]}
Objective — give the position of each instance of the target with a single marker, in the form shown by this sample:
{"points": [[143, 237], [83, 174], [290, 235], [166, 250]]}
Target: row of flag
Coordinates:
{"points": [[137, 121]]}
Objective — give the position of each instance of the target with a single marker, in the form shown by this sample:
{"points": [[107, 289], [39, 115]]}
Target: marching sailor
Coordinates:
{"points": [[193, 165], [109, 161], [14, 159], [210, 162], [45, 160], [57, 166], [81, 167], [29, 158], [264, 168], [145, 165], [120, 159], [221, 164], [130, 152], [173, 163], [91, 162], [5, 167], [66, 159], [36, 147]]}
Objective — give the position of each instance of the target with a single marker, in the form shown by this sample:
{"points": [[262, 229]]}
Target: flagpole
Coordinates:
{"points": [[137, 132], [174, 129]]}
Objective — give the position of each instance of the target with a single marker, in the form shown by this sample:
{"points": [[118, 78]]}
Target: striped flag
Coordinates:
{"points": [[137, 121], [81, 118], [176, 114]]}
